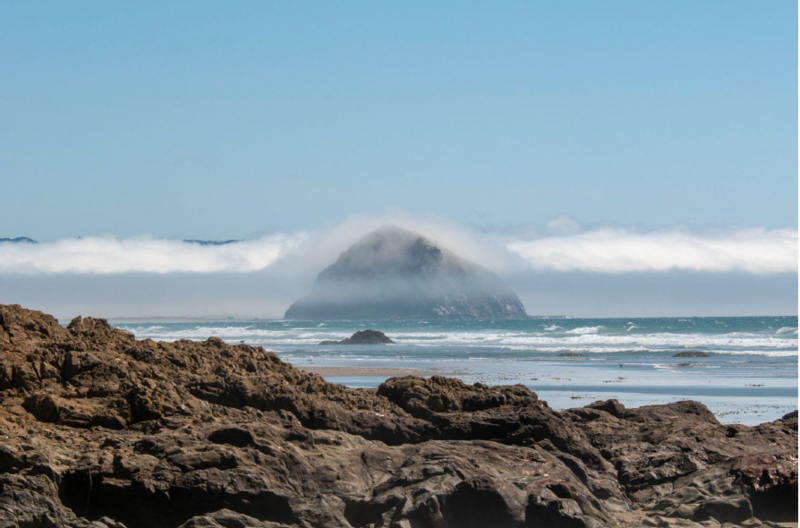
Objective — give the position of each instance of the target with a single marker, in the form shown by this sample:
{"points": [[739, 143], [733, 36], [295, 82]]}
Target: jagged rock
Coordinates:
{"points": [[363, 337], [422, 397], [612, 407], [394, 274], [101, 430]]}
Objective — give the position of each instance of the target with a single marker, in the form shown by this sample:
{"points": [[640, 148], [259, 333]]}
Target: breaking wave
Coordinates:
{"points": [[586, 330], [590, 339]]}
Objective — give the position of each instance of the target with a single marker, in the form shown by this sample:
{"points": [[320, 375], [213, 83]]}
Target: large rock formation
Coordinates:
{"points": [[100, 430], [395, 274]]}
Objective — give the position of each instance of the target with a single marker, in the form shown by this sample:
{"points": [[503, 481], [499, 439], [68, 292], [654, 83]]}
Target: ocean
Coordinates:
{"points": [[749, 377]]}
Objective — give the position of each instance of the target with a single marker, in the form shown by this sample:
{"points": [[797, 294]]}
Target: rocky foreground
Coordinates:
{"points": [[99, 429]]}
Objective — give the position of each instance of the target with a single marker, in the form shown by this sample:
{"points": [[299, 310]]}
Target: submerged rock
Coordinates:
{"points": [[363, 337], [395, 274], [691, 354], [102, 430]]}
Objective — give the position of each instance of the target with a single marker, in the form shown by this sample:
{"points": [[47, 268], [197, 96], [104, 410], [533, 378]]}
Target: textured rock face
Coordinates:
{"points": [[394, 274], [100, 430]]}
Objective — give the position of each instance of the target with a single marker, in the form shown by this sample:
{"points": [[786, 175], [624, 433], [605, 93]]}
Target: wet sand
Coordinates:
{"points": [[373, 372], [571, 384]]}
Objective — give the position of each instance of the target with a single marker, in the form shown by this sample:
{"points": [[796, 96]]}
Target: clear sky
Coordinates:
{"points": [[605, 157], [220, 120]]}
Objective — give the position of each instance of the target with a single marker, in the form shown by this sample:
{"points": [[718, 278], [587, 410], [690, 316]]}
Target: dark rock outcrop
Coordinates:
{"points": [[363, 337], [691, 354], [394, 274], [100, 430]]}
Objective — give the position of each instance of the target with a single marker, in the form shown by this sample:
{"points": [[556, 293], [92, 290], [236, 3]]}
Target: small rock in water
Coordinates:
{"points": [[364, 337], [691, 354]]}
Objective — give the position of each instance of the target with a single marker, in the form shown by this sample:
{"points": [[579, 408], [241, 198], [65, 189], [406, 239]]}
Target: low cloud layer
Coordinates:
{"points": [[617, 250], [560, 246], [106, 255], [558, 268]]}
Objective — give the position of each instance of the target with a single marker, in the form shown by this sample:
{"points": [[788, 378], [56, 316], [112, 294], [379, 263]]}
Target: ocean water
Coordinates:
{"points": [[750, 377]]}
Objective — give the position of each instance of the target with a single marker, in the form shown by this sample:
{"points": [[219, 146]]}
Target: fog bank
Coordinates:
{"points": [[560, 267]]}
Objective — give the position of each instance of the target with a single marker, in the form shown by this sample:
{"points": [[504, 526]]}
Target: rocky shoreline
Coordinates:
{"points": [[101, 430]]}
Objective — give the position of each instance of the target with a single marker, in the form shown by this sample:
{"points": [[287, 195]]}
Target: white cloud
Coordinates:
{"points": [[620, 250], [563, 225], [561, 246], [106, 255]]}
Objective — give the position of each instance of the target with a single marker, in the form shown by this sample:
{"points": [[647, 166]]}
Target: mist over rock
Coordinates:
{"points": [[396, 274]]}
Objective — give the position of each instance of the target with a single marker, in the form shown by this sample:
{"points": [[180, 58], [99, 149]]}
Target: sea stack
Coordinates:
{"points": [[396, 274]]}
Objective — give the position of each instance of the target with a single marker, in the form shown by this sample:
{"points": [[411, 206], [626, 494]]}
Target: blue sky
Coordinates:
{"points": [[607, 158], [206, 119]]}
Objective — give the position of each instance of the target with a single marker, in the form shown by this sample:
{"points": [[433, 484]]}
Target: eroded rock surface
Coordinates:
{"points": [[100, 430]]}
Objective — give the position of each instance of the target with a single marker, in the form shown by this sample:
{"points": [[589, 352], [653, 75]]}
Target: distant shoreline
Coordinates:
{"points": [[227, 319]]}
